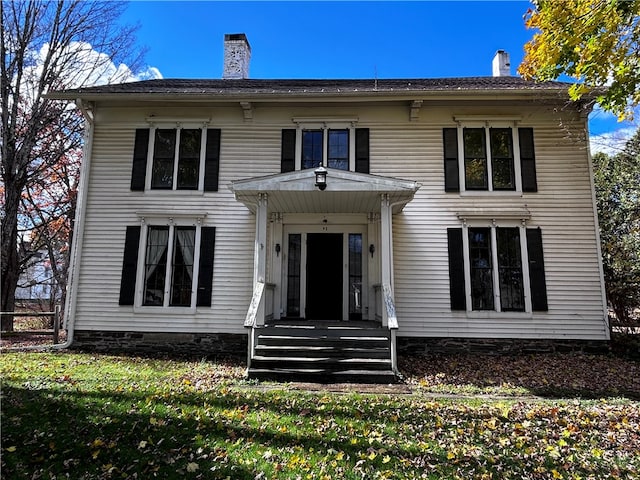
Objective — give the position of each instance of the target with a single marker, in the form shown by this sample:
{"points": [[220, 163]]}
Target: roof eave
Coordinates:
{"points": [[222, 96]]}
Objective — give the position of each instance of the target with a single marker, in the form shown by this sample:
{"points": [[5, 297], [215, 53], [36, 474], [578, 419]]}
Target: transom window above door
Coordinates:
{"points": [[337, 145]]}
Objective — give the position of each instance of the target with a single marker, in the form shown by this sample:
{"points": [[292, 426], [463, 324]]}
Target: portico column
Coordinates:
{"points": [[386, 249], [260, 252]]}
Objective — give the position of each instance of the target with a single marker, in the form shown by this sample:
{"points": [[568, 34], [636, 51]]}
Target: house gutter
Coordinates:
{"points": [[596, 223], [86, 108]]}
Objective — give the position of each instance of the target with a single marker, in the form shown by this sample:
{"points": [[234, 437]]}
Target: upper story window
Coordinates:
{"points": [[330, 150], [176, 159], [489, 158], [336, 145]]}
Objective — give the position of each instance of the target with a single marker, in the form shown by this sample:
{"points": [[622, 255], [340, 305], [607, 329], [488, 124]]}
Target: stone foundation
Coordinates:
{"points": [[212, 345], [498, 346], [209, 345]]}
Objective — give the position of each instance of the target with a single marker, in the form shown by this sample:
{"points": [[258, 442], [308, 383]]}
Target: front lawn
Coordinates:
{"points": [[81, 416]]}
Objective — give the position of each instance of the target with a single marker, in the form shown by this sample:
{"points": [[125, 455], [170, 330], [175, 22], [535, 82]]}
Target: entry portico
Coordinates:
{"points": [[320, 248]]}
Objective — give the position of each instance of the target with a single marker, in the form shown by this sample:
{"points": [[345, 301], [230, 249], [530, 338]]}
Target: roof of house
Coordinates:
{"points": [[314, 87]]}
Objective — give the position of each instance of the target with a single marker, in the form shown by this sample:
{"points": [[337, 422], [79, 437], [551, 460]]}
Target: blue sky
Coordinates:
{"points": [[338, 39]]}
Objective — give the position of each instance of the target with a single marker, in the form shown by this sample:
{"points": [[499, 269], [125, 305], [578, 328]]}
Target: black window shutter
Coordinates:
{"points": [[129, 265], [205, 272], [536, 270], [451, 172], [527, 160], [456, 269], [288, 155], [139, 167], [212, 160], [362, 150]]}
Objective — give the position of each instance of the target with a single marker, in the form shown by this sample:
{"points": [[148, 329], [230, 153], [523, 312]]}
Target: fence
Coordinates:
{"points": [[55, 315]]}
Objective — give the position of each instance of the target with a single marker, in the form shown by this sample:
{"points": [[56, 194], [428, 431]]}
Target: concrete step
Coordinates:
{"points": [[311, 332], [324, 363], [318, 375], [333, 351], [323, 351]]}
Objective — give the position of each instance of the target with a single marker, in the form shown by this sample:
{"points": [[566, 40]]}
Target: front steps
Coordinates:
{"points": [[323, 352]]}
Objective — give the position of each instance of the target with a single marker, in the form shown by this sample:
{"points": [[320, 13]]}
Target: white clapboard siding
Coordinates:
{"points": [[562, 208], [112, 206]]}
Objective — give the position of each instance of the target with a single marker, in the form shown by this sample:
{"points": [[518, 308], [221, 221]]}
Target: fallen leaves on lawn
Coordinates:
{"points": [[551, 374], [139, 418]]}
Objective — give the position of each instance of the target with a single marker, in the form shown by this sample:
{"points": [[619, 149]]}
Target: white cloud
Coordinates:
{"points": [[613, 135], [82, 67], [611, 143]]}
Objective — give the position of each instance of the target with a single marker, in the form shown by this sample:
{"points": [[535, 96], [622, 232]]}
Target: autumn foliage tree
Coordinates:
{"points": [[45, 46], [596, 42]]}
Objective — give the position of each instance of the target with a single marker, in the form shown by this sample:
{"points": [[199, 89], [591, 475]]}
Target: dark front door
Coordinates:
{"points": [[324, 276]]}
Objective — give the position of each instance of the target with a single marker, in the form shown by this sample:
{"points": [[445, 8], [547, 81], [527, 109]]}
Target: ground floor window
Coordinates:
{"points": [[167, 266], [487, 269], [507, 272], [169, 258]]}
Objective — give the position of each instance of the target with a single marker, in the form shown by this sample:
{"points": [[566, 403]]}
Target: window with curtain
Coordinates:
{"points": [[181, 241]]}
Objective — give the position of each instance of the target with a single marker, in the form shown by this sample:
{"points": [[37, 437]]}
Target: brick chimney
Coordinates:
{"points": [[501, 64], [237, 54]]}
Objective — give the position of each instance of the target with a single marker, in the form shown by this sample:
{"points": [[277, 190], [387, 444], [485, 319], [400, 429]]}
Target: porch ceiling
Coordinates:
{"points": [[346, 192]]}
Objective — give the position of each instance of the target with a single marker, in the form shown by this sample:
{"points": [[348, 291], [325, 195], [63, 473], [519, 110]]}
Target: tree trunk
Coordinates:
{"points": [[9, 259]]}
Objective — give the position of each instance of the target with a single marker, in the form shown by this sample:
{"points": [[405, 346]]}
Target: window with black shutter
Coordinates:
{"points": [[336, 147], [175, 158], [494, 268], [162, 256], [489, 160]]}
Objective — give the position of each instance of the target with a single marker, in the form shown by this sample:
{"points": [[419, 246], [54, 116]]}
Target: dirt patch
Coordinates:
{"points": [[28, 339]]}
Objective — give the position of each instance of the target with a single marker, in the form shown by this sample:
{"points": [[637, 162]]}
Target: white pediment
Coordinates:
{"points": [[347, 192]]}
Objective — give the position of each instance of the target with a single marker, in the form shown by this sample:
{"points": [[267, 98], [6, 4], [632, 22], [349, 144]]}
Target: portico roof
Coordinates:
{"points": [[346, 192]]}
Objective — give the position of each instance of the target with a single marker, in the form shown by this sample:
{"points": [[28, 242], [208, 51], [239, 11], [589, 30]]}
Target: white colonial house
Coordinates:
{"points": [[324, 225]]}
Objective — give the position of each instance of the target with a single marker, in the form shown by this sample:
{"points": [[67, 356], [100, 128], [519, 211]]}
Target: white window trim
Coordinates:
{"points": [[308, 123], [175, 219], [178, 126], [524, 255], [487, 124]]}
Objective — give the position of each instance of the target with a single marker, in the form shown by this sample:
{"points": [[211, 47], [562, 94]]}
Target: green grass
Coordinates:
{"points": [[80, 416]]}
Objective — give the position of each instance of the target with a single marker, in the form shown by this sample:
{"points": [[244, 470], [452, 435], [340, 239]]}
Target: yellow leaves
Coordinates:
{"points": [[593, 41], [556, 474], [490, 424], [11, 449], [192, 467], [98, 442], [157, 422]]}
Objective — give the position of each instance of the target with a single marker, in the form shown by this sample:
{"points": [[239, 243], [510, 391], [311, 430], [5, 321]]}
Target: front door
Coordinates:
{"points": [[324, 276]]}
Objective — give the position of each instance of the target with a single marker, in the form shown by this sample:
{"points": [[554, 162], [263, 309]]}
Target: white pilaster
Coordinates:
{"points": [[260, 254], [386, 246]]}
